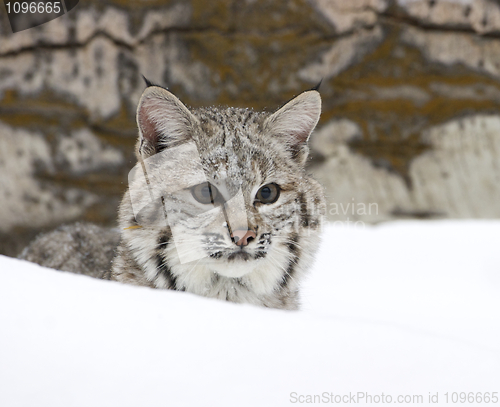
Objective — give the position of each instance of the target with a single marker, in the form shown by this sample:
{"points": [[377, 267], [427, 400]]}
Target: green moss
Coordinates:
{"points": [[254, 52], [253, 70], [259, 17], [392, 128], [39, 112]]}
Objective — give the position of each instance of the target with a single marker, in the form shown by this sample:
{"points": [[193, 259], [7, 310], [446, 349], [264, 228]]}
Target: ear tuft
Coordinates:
{"points": [[294, 122], [316, 88], [148, 82], [163, 121]]}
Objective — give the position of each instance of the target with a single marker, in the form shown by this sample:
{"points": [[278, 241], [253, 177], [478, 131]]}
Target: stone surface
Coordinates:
{"points": [[411, 97], [458, 177], [480, 16]]}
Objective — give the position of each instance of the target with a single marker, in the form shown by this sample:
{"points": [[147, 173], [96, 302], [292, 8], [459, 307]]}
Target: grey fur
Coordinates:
{"points": [[243, 150], [80, 248]]}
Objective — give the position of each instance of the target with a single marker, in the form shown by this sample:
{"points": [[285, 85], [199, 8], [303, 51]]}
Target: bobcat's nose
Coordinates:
{"points": [[242, 237]]}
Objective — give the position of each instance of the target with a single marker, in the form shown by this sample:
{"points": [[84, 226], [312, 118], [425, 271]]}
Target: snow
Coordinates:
{"points": [[402, 309]]}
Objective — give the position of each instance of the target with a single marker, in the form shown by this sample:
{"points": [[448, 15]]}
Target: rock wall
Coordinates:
{"points": [[411, 90]]}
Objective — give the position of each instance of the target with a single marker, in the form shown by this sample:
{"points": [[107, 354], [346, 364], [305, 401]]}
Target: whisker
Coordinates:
{"points": [[282, 268]]}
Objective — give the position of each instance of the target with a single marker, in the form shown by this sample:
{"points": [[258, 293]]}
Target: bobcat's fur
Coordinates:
{"points": [[238, 151]]}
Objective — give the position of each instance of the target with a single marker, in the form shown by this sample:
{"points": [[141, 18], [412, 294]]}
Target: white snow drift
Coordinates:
{"points": [[404, 310]]}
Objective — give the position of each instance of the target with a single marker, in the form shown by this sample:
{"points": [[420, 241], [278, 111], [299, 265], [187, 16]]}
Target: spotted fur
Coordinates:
{"points": [[243, 150]]}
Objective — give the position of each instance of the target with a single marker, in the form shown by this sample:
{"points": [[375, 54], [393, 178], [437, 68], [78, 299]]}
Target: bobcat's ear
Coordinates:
{"points": [[295, 121], [163, 121]]}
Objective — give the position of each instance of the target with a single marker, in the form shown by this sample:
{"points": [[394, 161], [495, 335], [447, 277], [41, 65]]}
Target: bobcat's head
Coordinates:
{"points": [[221, 189]]}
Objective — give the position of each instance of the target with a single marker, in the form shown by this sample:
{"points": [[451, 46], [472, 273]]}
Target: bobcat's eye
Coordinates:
{"points": [[204, 193], [268, 194]]}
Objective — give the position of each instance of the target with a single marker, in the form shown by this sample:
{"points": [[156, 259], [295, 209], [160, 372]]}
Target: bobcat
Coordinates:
{"points": [[219, 203]]}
